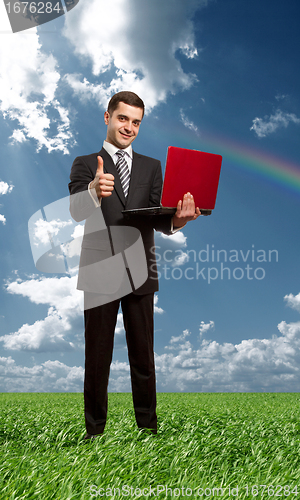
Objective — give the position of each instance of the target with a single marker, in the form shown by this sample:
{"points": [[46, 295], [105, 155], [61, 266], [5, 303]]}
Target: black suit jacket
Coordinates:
{"points": [[144, 191]]}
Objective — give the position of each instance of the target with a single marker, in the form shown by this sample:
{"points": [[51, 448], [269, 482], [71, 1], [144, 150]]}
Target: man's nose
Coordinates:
{"points": [[128, 126]]}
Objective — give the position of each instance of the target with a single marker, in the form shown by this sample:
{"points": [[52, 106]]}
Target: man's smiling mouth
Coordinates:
{"points": [[125, 135]]}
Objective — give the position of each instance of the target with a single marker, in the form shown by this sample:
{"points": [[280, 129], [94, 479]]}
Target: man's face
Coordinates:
{"points": [[123, 125]]}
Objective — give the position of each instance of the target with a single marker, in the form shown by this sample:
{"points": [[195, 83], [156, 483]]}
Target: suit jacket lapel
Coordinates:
{"points": [[110, 168]]}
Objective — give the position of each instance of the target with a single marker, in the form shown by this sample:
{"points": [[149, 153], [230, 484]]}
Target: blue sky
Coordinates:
{"points": [[221, 77]]}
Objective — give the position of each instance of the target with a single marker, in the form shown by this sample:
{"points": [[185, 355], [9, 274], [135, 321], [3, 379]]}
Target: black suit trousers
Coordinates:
{"points": [[100, 323]]}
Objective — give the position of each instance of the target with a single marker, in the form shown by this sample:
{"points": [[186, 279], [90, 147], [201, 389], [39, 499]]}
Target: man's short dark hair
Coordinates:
{"points": [[127, 97]]}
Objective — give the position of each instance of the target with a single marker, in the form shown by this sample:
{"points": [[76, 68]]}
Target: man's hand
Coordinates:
{"points": [[185, 211], [103, 183]]}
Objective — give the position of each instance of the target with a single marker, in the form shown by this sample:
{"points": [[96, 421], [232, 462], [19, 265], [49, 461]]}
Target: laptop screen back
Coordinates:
{"points": [[191, 171]]}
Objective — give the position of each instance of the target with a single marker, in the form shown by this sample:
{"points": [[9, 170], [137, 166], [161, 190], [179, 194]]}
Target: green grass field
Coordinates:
{"points": [[205, 442]]}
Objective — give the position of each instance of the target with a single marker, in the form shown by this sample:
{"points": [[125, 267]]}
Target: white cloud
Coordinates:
{"points": [[55, 376], [205, 327], [120, 325], [168, 250], [281, 97], [29, 81], [253, 365], [269, 124], [157, 310], [119, 380], [188, 123], [178, 238], [185, 334], [18, 136], [271, 364], [118, 47], [142, 60], [117, 366], [174, 342], [78, 231], [59, 293], [293, 301], [44, 228], [73, 247], [180, 259], [5, 188], [55, 332], [86, 90], [4, 21], [51, 376], [43, 336]]}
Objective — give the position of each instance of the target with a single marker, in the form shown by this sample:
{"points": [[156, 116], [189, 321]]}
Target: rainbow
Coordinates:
{"points": [[279, 170], [282, 172]]}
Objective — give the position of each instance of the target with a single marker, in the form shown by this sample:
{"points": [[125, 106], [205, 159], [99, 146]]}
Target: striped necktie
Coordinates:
{"points": [[123, 171]]}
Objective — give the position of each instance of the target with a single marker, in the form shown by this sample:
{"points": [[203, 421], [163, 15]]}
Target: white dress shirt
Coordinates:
{"points": [[112, 150]]}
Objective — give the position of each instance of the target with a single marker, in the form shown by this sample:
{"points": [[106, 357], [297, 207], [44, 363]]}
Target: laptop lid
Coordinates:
{"points": [[188, 170]]}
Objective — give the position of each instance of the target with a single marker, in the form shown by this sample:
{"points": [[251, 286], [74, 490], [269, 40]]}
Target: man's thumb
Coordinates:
{"points": [[100, 165]]}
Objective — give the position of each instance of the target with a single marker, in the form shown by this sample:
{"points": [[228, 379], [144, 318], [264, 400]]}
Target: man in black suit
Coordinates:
{"points": [[101, 193]]}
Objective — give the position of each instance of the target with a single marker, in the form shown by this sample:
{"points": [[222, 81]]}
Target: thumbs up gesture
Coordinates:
{"points": [[102, 183]]}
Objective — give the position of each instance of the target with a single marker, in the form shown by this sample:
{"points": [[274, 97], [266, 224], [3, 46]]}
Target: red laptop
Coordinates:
{"points": [[187, 170]]}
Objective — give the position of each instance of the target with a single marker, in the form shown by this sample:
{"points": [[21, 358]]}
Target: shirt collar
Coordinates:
{"points": [[111, 149]]}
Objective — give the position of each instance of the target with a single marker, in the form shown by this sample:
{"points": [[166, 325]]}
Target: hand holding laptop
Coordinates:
{"points": [[186, 211]]}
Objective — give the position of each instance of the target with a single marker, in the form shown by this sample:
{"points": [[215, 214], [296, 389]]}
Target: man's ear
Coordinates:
{"points": [[106, 117]]}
